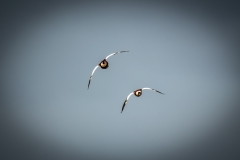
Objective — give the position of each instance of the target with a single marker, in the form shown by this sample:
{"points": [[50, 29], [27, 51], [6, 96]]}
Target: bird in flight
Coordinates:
{"points": [[103, 64], [137, 93]]}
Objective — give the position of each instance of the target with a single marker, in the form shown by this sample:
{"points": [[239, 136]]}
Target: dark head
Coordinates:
{"points": [[103, 64], [138, 92]]}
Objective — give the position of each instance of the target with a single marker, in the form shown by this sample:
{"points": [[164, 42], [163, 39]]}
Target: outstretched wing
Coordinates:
{"points": [[125, 102], [115, 53], [92, 75], [153, 90]]}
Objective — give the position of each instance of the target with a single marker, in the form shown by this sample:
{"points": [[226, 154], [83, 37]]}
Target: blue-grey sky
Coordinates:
{"points": [[186, 52]]}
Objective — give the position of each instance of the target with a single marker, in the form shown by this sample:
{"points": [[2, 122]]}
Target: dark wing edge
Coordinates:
{"points": [[92, 75], [120, 52], [89, 81], [158, 91], [124, 105]]}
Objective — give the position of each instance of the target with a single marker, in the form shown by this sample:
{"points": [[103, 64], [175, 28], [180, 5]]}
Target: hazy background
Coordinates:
{"points": [[187, 50]]}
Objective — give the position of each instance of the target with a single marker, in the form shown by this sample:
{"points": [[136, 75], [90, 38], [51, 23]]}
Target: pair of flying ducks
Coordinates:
{"points": [[104, 65]]}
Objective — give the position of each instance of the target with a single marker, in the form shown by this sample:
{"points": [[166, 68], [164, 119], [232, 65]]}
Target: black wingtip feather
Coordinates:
{"points": [[123, 105], [158, 91], [123, 51], [89, 83]]}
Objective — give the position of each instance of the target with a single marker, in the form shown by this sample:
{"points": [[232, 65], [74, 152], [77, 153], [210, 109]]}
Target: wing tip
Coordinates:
{"points": [[88, 85], [89, 81], [124, 104], [121, 51], [158, 91]]}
